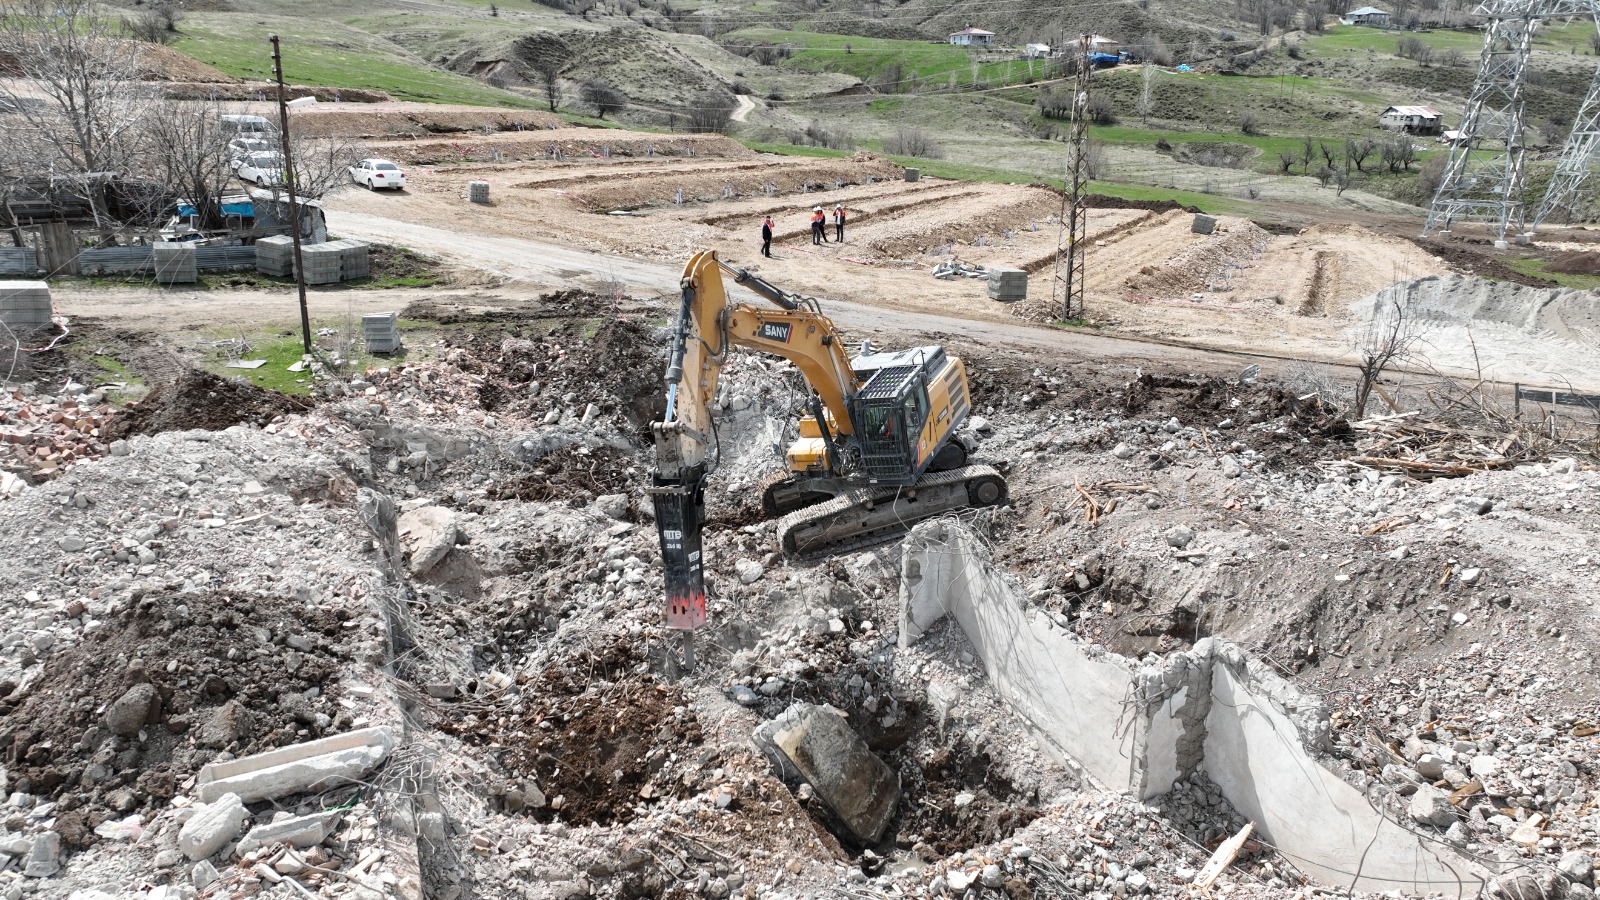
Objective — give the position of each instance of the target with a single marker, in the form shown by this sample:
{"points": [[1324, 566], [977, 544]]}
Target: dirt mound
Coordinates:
{"points": [[388, 118], [563, 145], [1474, 262], [222, 674], [1577, 262], [163, 64], [199, 399], [594, 747], [1201, 266], [1101, 201], [260, 90], [755, 179]]}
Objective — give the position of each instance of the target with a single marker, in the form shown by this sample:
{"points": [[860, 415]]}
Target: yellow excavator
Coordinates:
{"points": [[878, 451]]}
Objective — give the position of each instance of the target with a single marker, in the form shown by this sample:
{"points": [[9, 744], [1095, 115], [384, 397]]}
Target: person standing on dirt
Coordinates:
{"points": [[838, 223], [766, 238], [818, 236]]}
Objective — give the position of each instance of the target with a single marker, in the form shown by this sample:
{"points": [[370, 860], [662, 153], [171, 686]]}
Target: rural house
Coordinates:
{"points": [[1411, 120], [1367, 15], [972, 37], [1099, 43], [1036, 51]]}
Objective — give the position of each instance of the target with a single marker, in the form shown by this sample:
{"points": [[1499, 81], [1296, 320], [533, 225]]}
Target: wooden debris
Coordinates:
{"points": [[1223, 857]]}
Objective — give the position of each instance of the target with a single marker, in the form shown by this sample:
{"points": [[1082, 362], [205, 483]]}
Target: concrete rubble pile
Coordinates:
{"points": [[409, 643]]}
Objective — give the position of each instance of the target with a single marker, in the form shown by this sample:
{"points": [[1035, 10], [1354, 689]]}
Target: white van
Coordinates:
{"points": [[236, 126]]}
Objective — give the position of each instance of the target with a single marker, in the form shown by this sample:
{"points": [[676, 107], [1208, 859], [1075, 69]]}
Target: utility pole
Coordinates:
{"points": [[1074, 218], [294, 203]]}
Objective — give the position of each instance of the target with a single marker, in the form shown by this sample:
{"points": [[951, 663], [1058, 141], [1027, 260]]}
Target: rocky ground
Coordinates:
{"points": [[455, 549]]}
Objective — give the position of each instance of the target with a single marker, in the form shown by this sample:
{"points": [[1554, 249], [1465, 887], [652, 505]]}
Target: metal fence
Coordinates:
{"points": [[18, 261], [116, 260], [130, 260], [225, 257]]}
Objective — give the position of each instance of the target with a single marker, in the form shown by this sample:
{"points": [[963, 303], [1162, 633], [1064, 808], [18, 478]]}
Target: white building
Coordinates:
{"points": [[1036, 51], [1412, 119], [1367, 15], [972, 37]]}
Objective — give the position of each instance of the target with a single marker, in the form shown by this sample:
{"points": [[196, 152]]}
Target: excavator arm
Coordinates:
{"points": [[707, 326]]}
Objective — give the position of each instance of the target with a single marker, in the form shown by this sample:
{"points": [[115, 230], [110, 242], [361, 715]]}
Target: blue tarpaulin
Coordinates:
{"points": [[244, 208]]}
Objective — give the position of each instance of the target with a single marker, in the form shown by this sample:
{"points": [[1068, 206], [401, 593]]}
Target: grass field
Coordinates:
{"points": [[330, 54], [921, 64]]}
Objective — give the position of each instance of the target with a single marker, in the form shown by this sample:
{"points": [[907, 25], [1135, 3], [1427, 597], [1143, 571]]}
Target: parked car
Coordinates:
{"points": [[244, 146], [263, 168], [378, 173]]}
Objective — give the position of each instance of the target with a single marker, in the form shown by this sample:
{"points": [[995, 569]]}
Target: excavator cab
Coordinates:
{"points": [[898, 417]]}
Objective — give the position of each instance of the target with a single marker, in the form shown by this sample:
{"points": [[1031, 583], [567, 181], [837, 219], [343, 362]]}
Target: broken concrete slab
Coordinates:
{"points": [[44, 857], [299, 832], [302, 767], [212, 827], [1210, 710], [428, 534], [814, 744]]}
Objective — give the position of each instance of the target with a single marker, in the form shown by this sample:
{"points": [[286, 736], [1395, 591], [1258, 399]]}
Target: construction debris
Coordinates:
{"points": [[42, 435], [952, 268]]}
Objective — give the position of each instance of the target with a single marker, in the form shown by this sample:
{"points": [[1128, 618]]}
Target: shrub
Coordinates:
{"points": [[1102, 111], [1248, 124], [912, 141]]}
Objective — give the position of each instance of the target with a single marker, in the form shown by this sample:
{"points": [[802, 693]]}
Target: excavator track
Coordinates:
{"points": [[871, 515]]}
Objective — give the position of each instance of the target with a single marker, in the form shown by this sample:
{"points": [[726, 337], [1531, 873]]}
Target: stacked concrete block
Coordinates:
{"points": [[913, 174], [175, 263], [275, 256], [354, 260], [381, 331], [1007, 285], [478, 191], [24, 305], [322, 263], [1203, 224]]}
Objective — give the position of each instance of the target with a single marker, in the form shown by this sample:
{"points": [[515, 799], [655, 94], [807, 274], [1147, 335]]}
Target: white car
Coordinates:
{"points": [[378, 173], [244, 146], [263, 168]]}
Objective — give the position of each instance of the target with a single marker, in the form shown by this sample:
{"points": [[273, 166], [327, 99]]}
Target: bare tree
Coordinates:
{"points": [[1330, 153], [913, 141], [322, 164], [1357, 151], [1387, 339], [67, 53], [1308, 152], [603, 97], [186, 151], [1341, 181], [711, 113], [1147, 83], [552, 58]]}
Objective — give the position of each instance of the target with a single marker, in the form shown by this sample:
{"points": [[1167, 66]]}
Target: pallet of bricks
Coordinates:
{"points": [[24, 306], [275, 256], [1007, 285], [327, 263], [175, 263]]}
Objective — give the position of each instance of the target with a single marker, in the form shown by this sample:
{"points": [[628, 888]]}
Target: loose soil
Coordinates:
{"points": [[199, 399], [227, 679]]}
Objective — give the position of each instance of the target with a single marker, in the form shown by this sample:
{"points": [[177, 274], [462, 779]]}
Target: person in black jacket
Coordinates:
{"points": [[766, 237]]}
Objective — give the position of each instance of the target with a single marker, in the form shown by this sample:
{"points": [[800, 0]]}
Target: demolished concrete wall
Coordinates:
{"points": [[1140, 728]]}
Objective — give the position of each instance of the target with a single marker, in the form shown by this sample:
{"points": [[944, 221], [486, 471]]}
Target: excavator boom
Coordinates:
{"points": [[878, 451]]}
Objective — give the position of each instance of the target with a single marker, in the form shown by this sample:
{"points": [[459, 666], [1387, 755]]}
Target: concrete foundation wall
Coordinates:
{"points": [[1138, 729]]}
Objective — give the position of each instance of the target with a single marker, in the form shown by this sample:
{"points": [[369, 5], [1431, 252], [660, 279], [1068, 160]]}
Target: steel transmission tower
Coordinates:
{"points": [[1484, 178], [1067, 290], [1577, 155]]}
